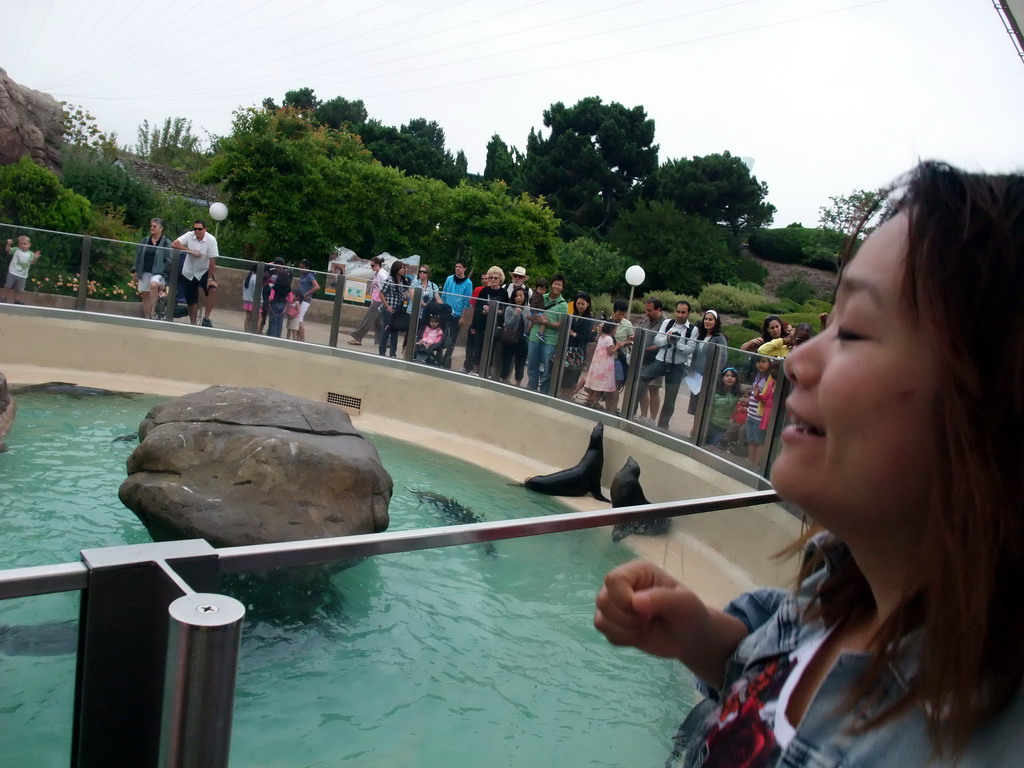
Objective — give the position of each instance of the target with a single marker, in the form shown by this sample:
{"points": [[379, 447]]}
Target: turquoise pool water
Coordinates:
{"points": [[445, 657]]}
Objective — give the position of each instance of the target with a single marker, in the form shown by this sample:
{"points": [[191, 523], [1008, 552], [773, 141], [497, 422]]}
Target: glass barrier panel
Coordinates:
{"points": [[38, 643], [475, 654], [738, 424]]}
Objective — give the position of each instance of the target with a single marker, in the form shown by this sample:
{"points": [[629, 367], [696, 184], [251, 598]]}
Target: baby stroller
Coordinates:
{"points": [[435, 354]]}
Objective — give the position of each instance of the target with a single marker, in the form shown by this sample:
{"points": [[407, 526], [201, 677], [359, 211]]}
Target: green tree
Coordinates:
{"points": [[846, 212], [273, 168], [487, 226], [173, 144], [504, 163], [679, 252], [339, 112], [418, 148], [81, 130], [590, 265], [716, 187], [301, 99], [591, 164]]}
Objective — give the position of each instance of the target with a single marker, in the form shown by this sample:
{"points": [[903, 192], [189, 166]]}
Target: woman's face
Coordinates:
{"points": [[709, 321], [859, 449], [155, 230], [729, 379], [582, 305], [775, 329], [520, 297]]}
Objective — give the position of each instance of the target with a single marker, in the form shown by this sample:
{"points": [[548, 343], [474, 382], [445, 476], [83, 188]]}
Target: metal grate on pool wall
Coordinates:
{"points": [[345, 401]]}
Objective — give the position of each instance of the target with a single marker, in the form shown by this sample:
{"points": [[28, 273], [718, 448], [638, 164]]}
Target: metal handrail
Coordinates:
{"points": [[47, 579], [319, 551], [43, 580]]}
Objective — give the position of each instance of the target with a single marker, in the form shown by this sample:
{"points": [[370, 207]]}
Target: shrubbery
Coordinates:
{"points": [[728, 298], [817, 248], [797, 289]]}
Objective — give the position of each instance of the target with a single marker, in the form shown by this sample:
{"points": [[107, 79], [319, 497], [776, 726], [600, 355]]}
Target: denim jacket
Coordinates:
{"points": [[823, 737]]}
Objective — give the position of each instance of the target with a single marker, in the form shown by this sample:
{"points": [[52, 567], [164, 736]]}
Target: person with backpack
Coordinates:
{"points": [[676, 340]]}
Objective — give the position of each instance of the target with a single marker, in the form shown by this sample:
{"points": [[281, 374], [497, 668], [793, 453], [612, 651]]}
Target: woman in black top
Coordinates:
{"points": [[475, 340], [582, 331]]}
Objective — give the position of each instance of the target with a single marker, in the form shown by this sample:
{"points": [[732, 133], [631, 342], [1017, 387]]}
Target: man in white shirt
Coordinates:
{"points": [[676, 341], [200, 266]]}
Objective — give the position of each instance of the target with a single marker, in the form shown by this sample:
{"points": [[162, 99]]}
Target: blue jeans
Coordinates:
{"points": [[538, 357], [277, 319]]}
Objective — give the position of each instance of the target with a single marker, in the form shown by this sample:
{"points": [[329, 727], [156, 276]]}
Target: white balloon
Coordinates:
{"points": [[635, 275], [218, 211]]}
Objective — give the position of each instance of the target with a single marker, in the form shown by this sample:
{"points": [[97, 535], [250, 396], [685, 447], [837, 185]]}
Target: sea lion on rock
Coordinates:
{"points": [[626, 492], [580, 480]]}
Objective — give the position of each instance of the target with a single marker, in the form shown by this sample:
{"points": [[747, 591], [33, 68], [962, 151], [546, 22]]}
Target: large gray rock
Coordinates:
{"points": [[31, 123], [6, 410], [241, 466]]}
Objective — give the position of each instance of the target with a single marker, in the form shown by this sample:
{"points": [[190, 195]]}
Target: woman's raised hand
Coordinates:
{"points": [[642, 606]]}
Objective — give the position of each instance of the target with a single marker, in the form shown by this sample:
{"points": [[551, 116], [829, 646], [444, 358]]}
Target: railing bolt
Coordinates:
{"points": [[207, 608]]}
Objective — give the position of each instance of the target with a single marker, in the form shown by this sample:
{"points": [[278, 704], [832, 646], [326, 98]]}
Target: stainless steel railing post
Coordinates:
{"points": [[199, 686]]}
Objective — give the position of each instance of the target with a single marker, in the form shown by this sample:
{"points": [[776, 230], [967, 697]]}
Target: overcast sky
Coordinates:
{"points": [[826, 96]]}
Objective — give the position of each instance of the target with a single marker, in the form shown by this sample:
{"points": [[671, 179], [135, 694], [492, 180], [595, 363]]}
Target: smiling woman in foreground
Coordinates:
{"points": [[902, 645]]}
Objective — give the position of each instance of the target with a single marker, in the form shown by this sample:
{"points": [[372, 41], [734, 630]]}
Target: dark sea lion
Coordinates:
{"points": [[580, 480], [65, 388], [131, 437], [453, 512], [626, 492], [55, 638]]}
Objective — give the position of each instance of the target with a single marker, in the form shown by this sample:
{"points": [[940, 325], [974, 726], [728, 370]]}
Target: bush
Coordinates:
{"points": [[104, 184], [737, 335], [593, 266], [728, 298], [748, 270], [798, 245], [797, 289], [816, 306]]}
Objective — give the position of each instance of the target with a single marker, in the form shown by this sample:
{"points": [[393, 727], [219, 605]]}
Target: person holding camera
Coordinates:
{"points": [[676, 341]]}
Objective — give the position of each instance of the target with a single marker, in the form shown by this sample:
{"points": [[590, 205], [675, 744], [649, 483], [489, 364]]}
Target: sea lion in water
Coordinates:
{"points": [[580, 480], [626, 492], [454, 512]]}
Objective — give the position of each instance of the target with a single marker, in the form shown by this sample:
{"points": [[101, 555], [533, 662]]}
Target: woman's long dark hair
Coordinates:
{"points": [[766, 334], [702, 332], [965, 239]]}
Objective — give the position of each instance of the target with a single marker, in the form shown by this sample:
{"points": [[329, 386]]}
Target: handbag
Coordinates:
{"points": [[512, 332], [399, 321], [575, 357]]}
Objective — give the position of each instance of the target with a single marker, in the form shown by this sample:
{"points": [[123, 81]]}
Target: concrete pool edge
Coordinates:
{"points": [[717, 555]]}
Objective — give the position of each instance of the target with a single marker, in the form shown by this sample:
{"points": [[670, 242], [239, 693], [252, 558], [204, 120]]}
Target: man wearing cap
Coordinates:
{"points": [[370, 319], [198, 271], [518, 281]]}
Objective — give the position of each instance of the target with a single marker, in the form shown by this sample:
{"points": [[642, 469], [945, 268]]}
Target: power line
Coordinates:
{"points": [[271, 23], [86, 36], [537, 70], [206, 31]]}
